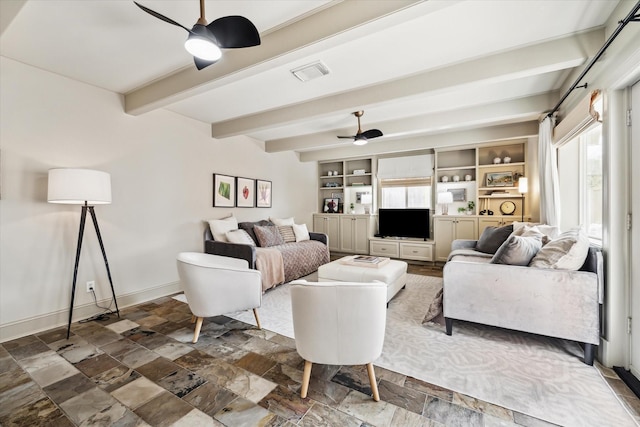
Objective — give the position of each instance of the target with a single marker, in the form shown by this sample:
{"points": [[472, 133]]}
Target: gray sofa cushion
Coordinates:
{"points": [[268, 236], [517, 250], [248, 227], [492, 238]]}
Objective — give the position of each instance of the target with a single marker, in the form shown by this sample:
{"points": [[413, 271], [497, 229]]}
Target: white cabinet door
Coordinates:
{"points": [[444, 233], [448, 229], [361, 235], [347, 230], [488, 222], [466, 228], [329, 225]]}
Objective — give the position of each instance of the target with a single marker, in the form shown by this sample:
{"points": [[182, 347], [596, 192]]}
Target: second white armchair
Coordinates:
{"points": [[216, 285], [339, 323]]}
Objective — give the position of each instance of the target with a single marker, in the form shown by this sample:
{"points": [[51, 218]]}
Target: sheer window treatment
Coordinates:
{"points": [[549, 184], [550, 138]]}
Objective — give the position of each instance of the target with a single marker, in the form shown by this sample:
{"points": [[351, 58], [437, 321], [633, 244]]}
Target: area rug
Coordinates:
{"points": [[538, 376]]}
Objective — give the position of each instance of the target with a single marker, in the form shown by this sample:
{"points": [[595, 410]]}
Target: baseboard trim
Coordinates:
{"points": [[21, 328], [629, 379]]}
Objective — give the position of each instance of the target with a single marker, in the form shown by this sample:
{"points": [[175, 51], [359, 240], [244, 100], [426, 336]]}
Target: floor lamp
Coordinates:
{"points": [[523, 187], [87, 188]]}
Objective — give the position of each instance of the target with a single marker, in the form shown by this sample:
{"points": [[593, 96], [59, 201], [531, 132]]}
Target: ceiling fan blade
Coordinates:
{"points": [[371, 133], [161, 17], [202, 63], [234, 32]]}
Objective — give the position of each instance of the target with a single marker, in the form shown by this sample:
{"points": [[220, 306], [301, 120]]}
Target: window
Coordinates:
{"points": [[591, 182], [406, 193]]}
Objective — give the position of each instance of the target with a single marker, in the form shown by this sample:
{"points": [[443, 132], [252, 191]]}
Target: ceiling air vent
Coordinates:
{"points": [[310, 71]]}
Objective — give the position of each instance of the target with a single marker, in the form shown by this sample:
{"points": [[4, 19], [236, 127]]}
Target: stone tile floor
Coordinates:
{"points": [[141, 369]]}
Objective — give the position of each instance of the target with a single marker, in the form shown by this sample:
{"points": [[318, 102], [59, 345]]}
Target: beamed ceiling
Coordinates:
{"points": [[424, 72]]}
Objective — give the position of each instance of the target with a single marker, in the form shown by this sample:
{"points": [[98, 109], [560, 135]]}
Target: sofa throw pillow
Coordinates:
{"points": [[533, 230], [240, 236], [492, 238], [301, 232], [268, 236], [220, 227], [566, 252], [286, 231], [248, 227], [517, 250], [282, 221], [550, 231]]}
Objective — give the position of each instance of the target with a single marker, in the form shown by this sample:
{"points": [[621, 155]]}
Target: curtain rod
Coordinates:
{"points": [[632, 16]]}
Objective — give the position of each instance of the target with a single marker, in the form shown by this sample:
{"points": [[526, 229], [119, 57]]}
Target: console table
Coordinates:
{"points": [[412, 249]]}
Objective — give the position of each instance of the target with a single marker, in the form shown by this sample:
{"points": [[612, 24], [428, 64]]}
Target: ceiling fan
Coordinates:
{"points": [[205, 41], [361, 138]]}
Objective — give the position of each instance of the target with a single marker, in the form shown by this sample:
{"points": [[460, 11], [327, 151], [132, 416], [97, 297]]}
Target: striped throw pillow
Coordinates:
{"points": [[286, 231]]}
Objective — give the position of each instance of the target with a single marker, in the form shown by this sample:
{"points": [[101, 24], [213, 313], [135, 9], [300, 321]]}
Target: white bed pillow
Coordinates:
{"points": [[301, 232], [566, 252], [220, 227], [282, 221], [240, 236]]}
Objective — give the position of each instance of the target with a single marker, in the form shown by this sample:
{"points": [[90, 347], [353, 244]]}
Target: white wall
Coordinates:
{"points": [[161, 166]]}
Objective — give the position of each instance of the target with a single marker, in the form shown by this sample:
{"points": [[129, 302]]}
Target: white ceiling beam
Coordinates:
{"points": [[314, 29], [8, 11], [451, 139], [521, 109], [545, 57]]}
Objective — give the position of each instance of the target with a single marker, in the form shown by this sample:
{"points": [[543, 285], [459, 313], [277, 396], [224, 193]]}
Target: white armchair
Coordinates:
{"points": [[216, 285], [339, 323]]}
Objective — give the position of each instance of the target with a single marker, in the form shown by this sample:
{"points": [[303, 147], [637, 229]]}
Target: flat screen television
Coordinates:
{"points": [[410, 222]]}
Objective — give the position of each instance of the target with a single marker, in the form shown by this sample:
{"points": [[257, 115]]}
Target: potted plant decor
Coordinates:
{"points": [[462, 210], [470, 205]]}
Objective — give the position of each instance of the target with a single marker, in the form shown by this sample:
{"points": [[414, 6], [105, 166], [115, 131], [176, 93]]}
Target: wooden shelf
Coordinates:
{"points": [[496, 188], [331, 188], [501, 165], [501, 196], [332, 176], [453, 168]]}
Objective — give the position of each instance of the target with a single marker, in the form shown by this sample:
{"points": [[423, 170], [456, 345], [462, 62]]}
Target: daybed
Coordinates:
{"points": [[554, 302], [279, 260]]}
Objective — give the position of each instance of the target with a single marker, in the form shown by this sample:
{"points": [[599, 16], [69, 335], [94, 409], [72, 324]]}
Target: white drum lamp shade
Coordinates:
{"points": [[79, 186], [444, 199]]}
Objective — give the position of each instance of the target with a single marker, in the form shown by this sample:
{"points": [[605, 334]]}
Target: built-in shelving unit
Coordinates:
{"points": [[347, 181], [486, 174]]}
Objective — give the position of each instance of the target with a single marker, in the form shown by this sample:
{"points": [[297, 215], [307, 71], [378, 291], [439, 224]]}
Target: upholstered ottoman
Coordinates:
{"points": [[393, 273]]}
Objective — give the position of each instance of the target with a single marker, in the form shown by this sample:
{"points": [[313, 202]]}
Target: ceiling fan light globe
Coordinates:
{"points": [[202, 48], [360, 141]]}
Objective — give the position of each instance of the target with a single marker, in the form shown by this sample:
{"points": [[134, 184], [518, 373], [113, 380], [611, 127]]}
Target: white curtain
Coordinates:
{"points": [[549, 184]]}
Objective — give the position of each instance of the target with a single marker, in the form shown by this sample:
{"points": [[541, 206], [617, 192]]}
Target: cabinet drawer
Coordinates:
{"points": [[417, 252], [388, 249]]}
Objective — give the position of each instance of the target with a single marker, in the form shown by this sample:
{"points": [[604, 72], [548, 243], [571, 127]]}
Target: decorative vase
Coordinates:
{"points": [[506, 160], [497, 160], [467, 177], [456, 178], [445, 179]]}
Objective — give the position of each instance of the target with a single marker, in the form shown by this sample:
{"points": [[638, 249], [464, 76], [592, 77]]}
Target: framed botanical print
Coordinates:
{"points": [[263, 193], [224, 191], [245, 192]]}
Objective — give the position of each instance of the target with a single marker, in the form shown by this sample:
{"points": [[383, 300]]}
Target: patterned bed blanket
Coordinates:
{"points": [[299, 259]]}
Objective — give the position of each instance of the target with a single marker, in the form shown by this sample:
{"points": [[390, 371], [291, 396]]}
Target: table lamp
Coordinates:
{"points": [[87, 188], [444, 199]]}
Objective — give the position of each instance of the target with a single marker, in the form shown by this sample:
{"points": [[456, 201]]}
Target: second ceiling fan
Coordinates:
{"points": [[361, 138], [206, 40]]}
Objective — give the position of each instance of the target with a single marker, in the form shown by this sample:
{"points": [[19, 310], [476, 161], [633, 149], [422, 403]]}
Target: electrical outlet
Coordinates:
{"points": [[91, 285]]}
